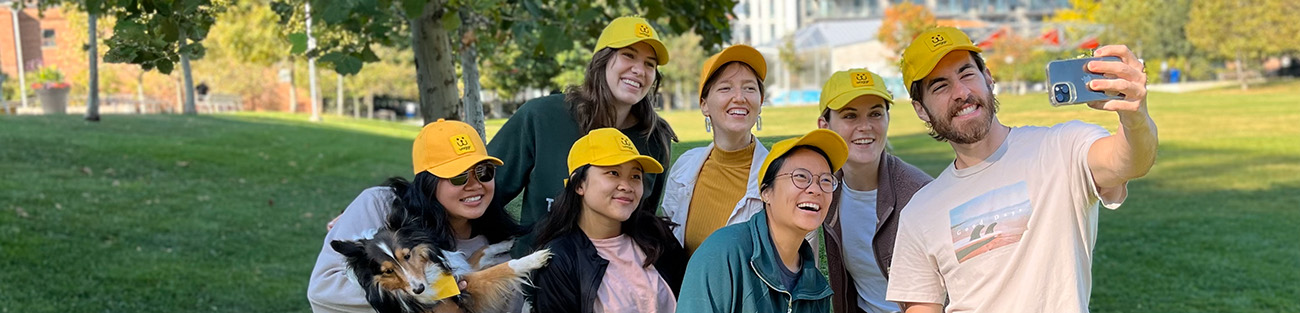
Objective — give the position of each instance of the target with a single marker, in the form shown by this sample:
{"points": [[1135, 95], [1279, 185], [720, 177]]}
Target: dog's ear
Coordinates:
{"points": [[348, 248]]}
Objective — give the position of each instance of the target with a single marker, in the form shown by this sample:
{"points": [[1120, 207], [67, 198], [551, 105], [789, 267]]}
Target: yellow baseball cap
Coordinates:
{"points": [[824, 139], [628, 30], [928, 48], [448, 148], [741, 53], [844, 86], [608, 147]]}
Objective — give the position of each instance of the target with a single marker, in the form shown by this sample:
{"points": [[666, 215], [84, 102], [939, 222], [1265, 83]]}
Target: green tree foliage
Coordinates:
{"points": [[151, 33], [1151, 29], [682, 75], [794, 63], [535, 32], [1242, 30], [245, 45]]}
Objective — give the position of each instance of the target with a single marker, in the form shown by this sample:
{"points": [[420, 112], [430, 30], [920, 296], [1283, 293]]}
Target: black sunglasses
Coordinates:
{"points": [[483, 172]]}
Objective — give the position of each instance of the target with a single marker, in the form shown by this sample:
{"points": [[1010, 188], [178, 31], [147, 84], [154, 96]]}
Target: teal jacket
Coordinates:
{"points": [[735, 270]]}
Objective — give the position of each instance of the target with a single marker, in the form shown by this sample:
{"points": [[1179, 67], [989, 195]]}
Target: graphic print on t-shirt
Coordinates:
{"points": [[992, 220]]}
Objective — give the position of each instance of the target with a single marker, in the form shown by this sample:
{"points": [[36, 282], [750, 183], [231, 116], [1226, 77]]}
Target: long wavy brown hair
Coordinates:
{"points": [[592, 103]]}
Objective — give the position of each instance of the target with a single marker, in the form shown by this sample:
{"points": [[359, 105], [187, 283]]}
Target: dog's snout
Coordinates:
{"points": [[419, 288]]}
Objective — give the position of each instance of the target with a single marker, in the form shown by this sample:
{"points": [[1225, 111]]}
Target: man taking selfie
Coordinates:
{"points": [[1010, 225]]}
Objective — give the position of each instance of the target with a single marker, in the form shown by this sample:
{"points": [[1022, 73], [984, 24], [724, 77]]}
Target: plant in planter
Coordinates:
{"points": [[51, 90]]}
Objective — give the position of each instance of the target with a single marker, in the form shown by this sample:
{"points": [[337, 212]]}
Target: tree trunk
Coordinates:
{"points": [[293, 85], [356, 107], [189, 108], [435, 72], [370, 105], [1241, 77], [311, 71], [338, 95], [180, 94], [139, 93], [469, 70], [680, 95], [92, 91]]}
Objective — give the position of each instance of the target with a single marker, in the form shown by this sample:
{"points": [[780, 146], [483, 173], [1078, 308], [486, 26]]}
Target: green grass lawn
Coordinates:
{"points": [[226, 213]]}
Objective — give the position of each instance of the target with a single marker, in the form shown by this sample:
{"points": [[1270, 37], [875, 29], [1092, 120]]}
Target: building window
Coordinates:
{"points": [[47, 38]]}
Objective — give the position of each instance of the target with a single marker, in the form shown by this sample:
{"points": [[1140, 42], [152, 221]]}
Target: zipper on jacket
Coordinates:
{"points": [[789, 305]]}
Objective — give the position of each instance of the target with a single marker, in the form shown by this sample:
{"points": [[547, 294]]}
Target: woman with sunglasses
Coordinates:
{"points": [[764, 264], [618, 91], [451, 194], [609, 252]]}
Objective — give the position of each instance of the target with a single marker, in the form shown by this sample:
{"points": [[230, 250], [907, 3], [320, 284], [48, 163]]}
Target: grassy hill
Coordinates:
{"points": [[225, 213]]}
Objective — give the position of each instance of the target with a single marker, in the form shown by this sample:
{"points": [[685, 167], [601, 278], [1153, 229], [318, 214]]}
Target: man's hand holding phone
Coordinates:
{"points": [[1126, 77]]}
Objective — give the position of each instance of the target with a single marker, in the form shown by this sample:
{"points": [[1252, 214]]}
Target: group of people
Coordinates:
{"points": [[1008, 226]]}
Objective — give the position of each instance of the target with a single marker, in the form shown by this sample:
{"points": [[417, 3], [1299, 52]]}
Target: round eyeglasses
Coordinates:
{"points": [[802, 178]]}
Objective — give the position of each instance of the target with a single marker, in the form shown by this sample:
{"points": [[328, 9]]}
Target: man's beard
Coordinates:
{"points": [[944, 130]]}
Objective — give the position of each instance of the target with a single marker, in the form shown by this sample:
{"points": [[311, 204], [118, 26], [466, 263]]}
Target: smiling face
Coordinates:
{"points": [[734, 99], [630, 73], [863, 123], [467, 201], [798, 209], [611, 193], [957, 99]]}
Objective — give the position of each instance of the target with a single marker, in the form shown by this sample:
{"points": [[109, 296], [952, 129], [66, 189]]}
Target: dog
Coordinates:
{"points": [[402, 271]]}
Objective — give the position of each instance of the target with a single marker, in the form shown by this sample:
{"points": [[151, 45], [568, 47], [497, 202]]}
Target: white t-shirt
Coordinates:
{"points": [[1014, 233], [858, 211]]}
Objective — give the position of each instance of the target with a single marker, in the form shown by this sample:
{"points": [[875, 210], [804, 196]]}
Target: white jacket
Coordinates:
{"points": [[680, 188]]}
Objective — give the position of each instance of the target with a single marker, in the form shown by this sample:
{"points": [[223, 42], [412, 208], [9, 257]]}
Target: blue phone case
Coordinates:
{"points": [[1067, 82]]}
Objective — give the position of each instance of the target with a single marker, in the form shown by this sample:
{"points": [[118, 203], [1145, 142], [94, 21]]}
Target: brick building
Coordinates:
{"points": [[45, 40]]}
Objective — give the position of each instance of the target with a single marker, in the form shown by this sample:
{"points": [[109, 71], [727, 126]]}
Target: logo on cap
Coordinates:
{"points": [[860, 79], [937, 41], [462, 144], [626, 145], [643, 30]]}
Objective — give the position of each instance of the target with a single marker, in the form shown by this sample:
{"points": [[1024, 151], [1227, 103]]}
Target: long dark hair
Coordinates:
{"points": [[591, 103], [650, 232], [416, 203]]}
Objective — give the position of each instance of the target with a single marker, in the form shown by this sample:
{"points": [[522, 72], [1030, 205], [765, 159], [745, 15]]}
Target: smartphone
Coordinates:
{"points": [[1067, 82]]}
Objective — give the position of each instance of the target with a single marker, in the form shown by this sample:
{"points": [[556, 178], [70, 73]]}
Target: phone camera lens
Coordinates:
{"points": [[1061, 92]]}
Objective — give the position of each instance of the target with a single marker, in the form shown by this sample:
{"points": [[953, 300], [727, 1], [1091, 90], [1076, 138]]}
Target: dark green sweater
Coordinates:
{"points": [[534, 144]]}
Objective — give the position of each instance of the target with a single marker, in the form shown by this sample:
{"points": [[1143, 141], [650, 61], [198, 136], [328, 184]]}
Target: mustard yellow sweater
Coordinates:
{"points": [[721, 184]]}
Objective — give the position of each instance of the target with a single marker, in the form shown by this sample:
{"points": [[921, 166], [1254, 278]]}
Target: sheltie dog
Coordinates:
{"points": [[402, 271]]}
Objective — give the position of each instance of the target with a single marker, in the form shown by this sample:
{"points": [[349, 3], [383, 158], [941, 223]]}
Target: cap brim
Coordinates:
{"points": [[739, 53], [744, 54], [828, 141], [648, 164], [460, 165], [661, 52], [929, 64], [843, 99]]}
